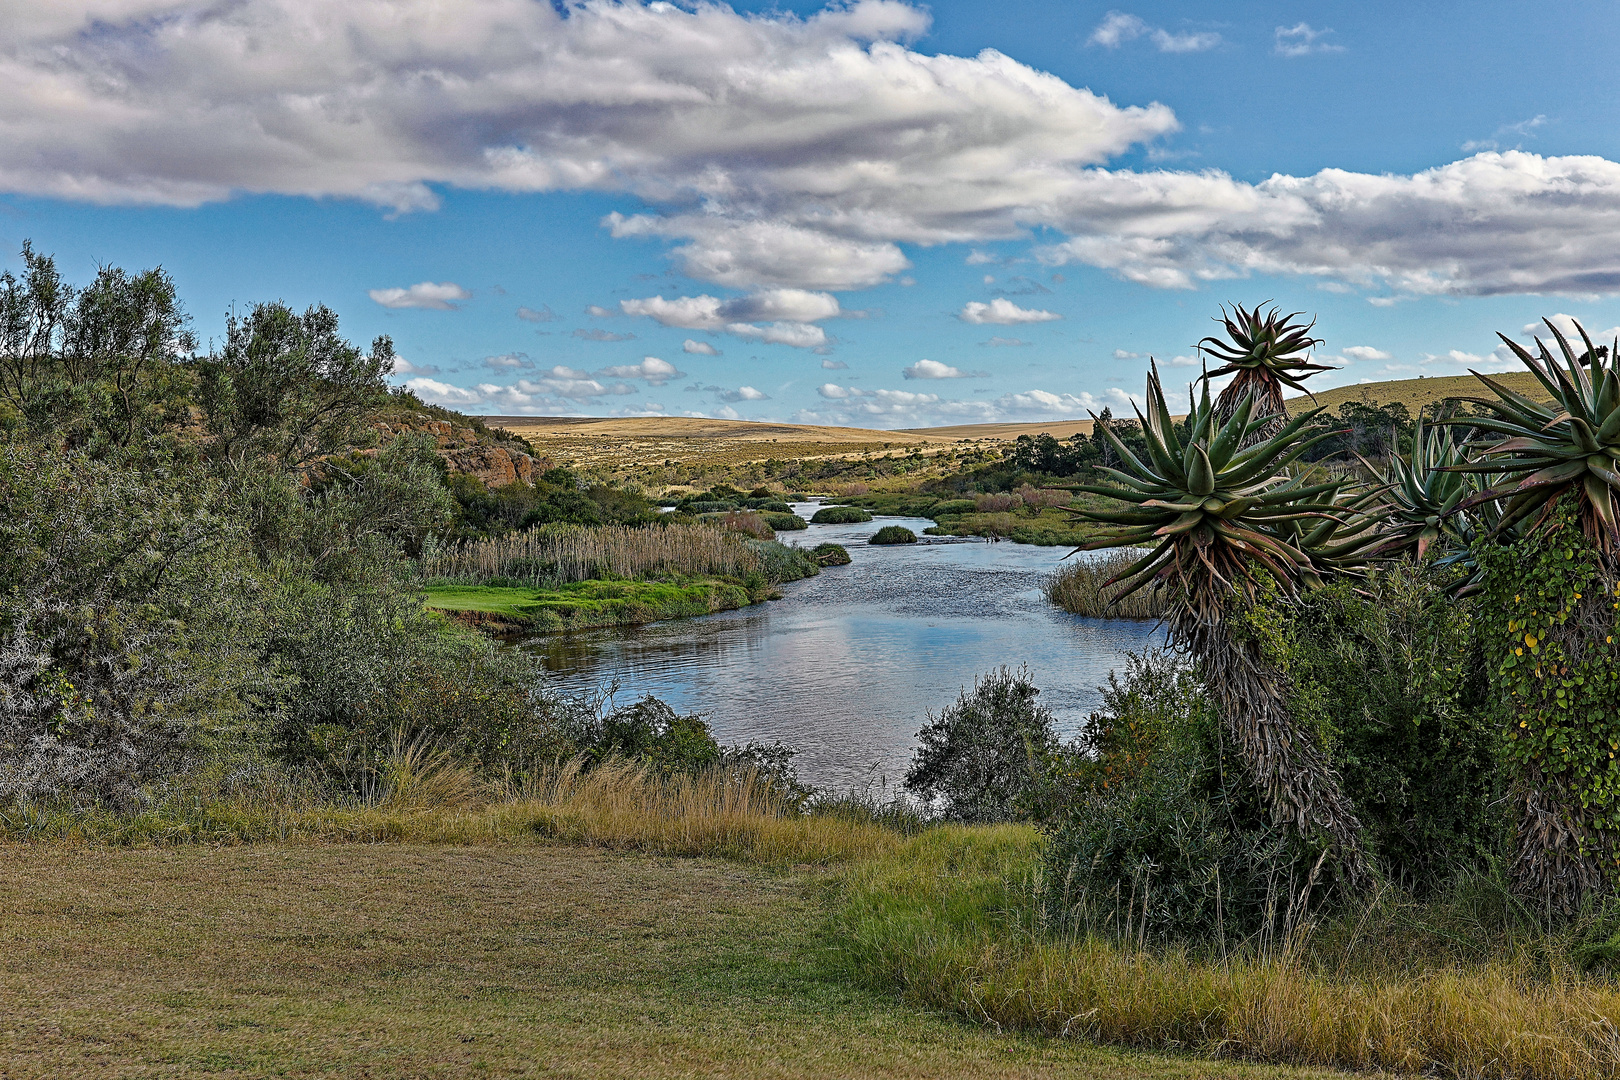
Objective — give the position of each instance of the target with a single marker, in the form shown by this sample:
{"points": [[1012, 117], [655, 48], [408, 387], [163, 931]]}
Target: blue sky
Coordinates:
{"points": [[852, 214]]}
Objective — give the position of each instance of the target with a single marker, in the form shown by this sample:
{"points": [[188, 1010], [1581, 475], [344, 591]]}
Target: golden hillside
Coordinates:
{"points": [[1415, 393]]}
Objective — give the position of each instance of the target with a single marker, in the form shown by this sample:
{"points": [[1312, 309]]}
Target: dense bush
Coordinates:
{"points": [[1158, 833], [983, 758], [893, 534], [780, 563], [784, 522], [840, 515]]}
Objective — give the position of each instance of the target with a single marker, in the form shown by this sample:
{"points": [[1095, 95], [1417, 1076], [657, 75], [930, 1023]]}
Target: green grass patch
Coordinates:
{"points": [[840, 515], [583, 604]]}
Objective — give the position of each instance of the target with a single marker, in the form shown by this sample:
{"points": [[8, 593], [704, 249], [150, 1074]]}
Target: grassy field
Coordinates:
{"points": [[1415, 393], [427, 961], [581, 604]]}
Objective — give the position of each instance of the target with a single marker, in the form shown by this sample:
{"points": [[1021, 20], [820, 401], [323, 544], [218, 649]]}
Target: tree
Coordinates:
{"points": [[97, 367], [1229, 526], [288, 387]]}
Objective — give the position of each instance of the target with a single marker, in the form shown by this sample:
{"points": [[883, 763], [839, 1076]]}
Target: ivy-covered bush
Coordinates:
{"points": [[1551, 614]]}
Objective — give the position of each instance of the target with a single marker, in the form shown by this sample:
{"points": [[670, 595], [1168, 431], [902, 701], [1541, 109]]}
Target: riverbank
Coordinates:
{"points": [[583, 605]]}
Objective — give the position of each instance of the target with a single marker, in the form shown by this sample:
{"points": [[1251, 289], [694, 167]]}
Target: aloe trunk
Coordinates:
{"points": [[1284, 759]]}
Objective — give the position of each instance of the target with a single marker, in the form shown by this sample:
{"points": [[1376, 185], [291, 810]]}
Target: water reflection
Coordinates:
{"points": [[848, 664]]}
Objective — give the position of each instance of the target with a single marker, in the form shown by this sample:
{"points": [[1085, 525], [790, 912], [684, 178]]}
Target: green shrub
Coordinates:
{"points": [[1157, 834], [893, 534], [840, 515], [780, 563], [771, 505], [953, 508], [830, 555], [982, 758], [784, 522]]}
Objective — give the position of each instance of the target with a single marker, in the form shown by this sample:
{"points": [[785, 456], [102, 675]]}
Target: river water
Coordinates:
{"points": [[847, 666]]}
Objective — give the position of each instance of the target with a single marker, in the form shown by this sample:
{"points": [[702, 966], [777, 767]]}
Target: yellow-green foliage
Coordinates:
{"points": [[951, 919]]}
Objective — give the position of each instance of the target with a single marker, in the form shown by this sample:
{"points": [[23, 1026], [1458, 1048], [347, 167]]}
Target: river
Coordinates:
{"points": [[848, 664]]}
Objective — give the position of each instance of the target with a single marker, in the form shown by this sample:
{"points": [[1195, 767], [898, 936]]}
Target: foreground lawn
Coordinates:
{"points": [[493, 960]]}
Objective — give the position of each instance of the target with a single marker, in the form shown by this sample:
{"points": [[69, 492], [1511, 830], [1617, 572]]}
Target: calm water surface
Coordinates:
{"points": [[848, 664]]}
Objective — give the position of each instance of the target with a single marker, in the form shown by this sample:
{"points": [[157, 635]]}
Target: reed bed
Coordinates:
{"points": [[1079, 588], [949, 920], [558, 554]]}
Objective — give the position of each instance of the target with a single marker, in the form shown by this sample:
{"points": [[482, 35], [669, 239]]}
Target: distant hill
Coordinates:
{"points": [[1415, 393]]}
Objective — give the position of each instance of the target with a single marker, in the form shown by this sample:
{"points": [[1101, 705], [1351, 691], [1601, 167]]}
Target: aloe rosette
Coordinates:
{"points": [[1571, 444], [1267, 351]]}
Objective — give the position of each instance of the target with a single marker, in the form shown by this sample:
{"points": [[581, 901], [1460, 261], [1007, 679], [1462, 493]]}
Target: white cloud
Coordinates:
{"points": [[834, 365], [543, 314], [1183, 361], [981, 258], [1118, 27], [1003, 312], [1365, 352], [1121, 354], [1301, 40], [793, 309], [657, 372], [701, 348], [1523, 129], [1001, 342], [1567, 325], [743, 393], [597, 311], [425, 294], [833, 390], [933, 369], [403, 366], [771, 150], [509, 361]]}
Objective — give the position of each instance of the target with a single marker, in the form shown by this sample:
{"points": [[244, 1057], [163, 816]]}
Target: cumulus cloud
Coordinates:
{"points": [[508, 362], [1118, 27], [1121, 354], [560, 390], [903, 408], [542, 314], [1568, 325], [657, 372], [743, 393], [597, 311], [1003, 313], [933, 369], [769, 150], [701, 348], [794, 312], [1365, 352], [1301, 40], [834, 365], [426, 294], [1001, 342]]}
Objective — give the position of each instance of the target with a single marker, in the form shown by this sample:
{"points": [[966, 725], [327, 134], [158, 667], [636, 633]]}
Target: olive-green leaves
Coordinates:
{"points": [[1264, 342]]}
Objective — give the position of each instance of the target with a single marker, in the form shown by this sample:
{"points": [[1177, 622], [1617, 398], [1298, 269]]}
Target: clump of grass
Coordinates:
{"points": [[893, 534], [953, 919], [558, 554], [840, 515], [748, 523], [1079, 588], [784, 522]]}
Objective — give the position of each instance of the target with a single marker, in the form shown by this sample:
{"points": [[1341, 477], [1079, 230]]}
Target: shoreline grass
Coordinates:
{"points": [[1078, 588], [582, 605]]}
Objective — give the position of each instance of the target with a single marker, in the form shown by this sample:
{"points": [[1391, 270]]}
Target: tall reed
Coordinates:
{"points": [[555, 554], [1079, 588]]}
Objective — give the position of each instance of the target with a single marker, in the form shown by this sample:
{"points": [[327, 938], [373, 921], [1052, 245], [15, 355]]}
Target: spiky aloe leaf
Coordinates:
{"points": [[1571, 445]]}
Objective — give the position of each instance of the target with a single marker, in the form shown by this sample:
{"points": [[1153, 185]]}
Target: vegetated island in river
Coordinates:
{"points": [[572, 577]]}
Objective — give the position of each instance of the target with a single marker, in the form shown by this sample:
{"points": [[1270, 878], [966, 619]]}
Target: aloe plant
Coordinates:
{"points": [[1221, 521], [1550, 612], [1266, 351], [1423, 493], [1569, 445]]}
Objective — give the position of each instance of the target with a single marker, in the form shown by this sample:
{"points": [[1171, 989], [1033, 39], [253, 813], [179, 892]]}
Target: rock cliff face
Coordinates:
{"points": [[466, 451]]}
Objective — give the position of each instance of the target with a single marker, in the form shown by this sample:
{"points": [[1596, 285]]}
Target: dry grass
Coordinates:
{"points": [[407, 961], [1078, 588], [556, 554], [1416, 393], [949, 919]]}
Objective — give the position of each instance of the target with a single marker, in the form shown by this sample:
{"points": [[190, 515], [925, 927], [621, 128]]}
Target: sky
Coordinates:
{"points": [[875, 213]]}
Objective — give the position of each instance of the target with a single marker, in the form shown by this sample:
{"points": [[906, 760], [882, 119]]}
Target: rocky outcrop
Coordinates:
{"points": [[465, 450]]}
